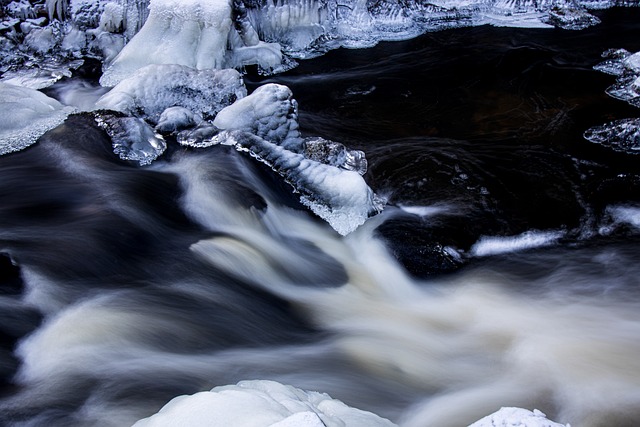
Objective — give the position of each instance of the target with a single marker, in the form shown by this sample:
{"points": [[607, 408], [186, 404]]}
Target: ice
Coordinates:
{"points": [[177, 118], [619, 135], [132, 138], [26, 115], [340, 197], [57, 9], [194, 33], [326, 173], [335, 154], [260, 403], [516, 417], [154, 88], [202, 136], [487, 246], [626, 67], [270, 112]]}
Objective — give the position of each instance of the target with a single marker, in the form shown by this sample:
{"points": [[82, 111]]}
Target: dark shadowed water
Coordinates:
{"points": [[504, 270]]}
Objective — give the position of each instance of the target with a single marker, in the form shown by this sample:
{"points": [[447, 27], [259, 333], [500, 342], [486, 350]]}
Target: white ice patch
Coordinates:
{"points": [[487, 246], [260, 404], [516, 417], [26, 115], [154, 88]]}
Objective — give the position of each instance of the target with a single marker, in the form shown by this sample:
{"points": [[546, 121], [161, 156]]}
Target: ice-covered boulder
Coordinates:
{"points": [[340, 197], [195, 33], [132, 138], [26, 115], [516, 417], [270, 112], [260, 404], [151, 90]]}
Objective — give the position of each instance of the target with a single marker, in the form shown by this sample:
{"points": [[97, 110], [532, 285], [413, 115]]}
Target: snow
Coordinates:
{"points": [[516, 417], [154, 88], [26, 115], [260, 403]]}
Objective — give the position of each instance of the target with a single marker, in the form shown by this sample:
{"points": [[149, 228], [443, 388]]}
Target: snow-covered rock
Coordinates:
{"points": [[154, 88], [516, 417], [260, 404], [26, 115]]}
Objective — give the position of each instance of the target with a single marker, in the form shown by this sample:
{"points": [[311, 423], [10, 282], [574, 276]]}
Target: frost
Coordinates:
{"points": [[271, 404], [132, 138], [26, 115], [620, 135], [154, 88]]}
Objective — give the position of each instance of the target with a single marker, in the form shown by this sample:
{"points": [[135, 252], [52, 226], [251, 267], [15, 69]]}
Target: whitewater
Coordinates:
{"points": [[311, 213]]}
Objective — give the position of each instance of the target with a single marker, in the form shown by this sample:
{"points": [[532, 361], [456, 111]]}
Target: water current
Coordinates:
{"points": [[504, 270]]}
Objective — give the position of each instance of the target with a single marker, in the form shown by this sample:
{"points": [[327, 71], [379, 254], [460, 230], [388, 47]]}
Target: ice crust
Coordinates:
{"points": [[26, 115], [619, 135], [154, 88]]}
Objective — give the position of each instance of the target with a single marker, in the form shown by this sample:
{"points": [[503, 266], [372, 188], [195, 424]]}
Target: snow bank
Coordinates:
{"points": [[516, 417], [26, 115], [260, 404], [151, 90]]}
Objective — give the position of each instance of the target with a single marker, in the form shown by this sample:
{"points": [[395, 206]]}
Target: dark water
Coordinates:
{"points": [[123, 287]]}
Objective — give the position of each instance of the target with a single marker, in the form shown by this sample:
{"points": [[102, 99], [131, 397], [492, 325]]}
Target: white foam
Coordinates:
{"points": [[625, 214], [494, 245]]}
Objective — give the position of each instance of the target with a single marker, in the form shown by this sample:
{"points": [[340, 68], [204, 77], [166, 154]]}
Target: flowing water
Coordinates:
{"points": [[504, 270]]}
